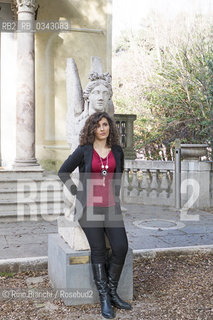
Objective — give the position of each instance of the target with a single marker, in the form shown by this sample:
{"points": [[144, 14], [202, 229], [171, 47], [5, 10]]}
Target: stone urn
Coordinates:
{"points": [[193, 151]]}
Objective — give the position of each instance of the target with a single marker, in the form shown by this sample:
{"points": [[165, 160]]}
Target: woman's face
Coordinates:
{"points": [[102, 130]]}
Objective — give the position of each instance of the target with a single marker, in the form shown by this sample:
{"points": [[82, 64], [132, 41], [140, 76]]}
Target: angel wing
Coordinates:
{"points": [[75, 102]]}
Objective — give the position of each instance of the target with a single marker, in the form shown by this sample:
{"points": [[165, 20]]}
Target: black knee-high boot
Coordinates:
{"points": [[114, 272], [103, 290]]}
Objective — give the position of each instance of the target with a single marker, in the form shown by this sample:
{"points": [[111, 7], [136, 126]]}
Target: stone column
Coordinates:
{"points": [[25, 96]]}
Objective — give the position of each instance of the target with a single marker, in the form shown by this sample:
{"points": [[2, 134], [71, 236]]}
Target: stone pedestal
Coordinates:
{"points": [[125, 124], [196, 184], [71, 273], [195, 177], [192, 152]]}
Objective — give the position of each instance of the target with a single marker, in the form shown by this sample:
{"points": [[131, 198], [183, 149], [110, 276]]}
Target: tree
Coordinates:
{"points": [[168, 83]]}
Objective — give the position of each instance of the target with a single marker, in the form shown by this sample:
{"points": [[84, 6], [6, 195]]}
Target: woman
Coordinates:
{"points": [[100, 160]]}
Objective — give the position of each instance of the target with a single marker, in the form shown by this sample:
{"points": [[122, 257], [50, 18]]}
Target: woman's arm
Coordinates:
{"points": [[69, 165]]}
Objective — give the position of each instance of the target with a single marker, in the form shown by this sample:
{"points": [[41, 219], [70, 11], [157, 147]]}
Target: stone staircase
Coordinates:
{"points": [[30, 195]]}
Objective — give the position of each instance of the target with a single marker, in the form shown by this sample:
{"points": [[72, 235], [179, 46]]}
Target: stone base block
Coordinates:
{"points": [[71, 273]]}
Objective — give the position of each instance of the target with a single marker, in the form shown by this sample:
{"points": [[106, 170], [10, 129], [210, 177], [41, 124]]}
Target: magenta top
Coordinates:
{"points": [[100, 190]]}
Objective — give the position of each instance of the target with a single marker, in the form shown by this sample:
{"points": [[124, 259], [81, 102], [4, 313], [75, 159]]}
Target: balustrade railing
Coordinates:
{"points": [[148, 182], [152, 182]]}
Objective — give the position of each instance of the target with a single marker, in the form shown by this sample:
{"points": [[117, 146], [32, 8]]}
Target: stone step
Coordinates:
{"points": [[29, 183], [17, 195], [50, 215], [30, 194], [31, 205], [35, 173]]}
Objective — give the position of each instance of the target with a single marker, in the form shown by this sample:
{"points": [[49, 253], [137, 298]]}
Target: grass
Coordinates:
{"points": [[7, 274]]}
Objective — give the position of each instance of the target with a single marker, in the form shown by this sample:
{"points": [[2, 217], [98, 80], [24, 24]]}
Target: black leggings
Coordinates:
{"points": [[113, 228]]}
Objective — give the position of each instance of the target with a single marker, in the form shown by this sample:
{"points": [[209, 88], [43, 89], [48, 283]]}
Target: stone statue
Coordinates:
{"points": [[97, 96], [98, 93]]}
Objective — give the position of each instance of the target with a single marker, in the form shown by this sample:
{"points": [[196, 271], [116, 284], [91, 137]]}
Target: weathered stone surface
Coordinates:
{"points": [[78, 277]]}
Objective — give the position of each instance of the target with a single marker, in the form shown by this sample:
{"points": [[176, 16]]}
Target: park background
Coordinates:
{"points": [[162, 67]]}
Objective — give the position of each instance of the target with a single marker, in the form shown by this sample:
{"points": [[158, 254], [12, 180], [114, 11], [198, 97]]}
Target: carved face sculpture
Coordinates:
{"points": [[98, 99]]}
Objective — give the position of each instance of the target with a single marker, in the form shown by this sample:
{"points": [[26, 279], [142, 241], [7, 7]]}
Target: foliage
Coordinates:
{"points": [[165, 76], [7, 274]]}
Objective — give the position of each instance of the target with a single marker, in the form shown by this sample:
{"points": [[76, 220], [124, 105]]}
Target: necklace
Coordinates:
{"points": [[104, 169]]}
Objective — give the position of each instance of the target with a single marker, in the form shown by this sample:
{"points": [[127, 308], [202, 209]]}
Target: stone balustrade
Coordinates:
{"points": [[148, 182], [153, 183]]}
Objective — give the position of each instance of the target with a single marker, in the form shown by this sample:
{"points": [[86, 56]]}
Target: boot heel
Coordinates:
{"points": [[114, 272]]}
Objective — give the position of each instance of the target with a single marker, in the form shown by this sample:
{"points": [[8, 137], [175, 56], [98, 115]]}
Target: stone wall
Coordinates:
{"points": [[52, 50], [90, 36]]}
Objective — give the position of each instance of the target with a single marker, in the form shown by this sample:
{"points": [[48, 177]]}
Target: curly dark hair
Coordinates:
{"points": [[87, 134]]}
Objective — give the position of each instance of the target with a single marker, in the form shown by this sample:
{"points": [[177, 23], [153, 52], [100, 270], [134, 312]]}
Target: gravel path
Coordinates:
{"points": [[171, 287]]}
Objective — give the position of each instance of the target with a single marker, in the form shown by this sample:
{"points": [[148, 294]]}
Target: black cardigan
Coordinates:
{"points": [[82, 158]]}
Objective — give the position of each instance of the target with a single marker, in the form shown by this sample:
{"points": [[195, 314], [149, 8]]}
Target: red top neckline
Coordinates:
{"points": [[100, 191], [100, 156]]}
